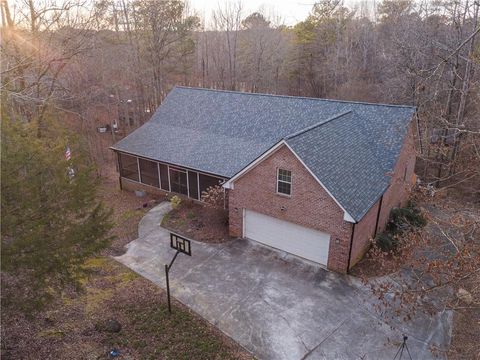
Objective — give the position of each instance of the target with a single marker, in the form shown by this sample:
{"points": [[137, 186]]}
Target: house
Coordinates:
{"points": [[316, 178]]}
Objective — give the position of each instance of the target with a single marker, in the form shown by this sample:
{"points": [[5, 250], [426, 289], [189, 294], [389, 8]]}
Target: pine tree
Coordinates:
{"points": [[51, 222]]}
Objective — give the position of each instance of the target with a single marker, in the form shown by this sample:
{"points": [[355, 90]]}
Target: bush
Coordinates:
{"points": [[402, 219], [175, 201], [214, 196], [386, 242]]}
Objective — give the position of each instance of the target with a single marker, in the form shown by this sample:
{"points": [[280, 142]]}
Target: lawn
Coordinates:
{"points": [[74, 326]]}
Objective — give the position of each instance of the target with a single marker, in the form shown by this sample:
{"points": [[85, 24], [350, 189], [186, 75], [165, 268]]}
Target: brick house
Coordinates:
{"points": [[316, 178]]}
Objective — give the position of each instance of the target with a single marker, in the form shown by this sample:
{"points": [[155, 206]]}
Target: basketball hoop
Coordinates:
{"points": [[182, 245]]}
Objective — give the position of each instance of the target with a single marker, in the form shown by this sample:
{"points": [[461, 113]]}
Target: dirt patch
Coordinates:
{"points": [[369, 266], [198, 222], [128, 209]]}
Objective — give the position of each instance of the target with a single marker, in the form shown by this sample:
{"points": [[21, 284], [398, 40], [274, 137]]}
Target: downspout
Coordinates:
{"points": [[351, 246], [378, 217], [118, 169]]}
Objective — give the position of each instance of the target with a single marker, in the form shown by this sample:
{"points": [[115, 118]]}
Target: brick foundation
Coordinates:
{"points": [[130, 185]]}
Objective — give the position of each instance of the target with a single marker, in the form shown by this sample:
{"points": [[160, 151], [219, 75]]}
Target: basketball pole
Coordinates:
{"points": [[167, 270], [168, 290], [182, 245]]}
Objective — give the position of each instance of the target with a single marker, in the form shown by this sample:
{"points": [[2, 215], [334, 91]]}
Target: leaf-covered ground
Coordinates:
{"points": [[73, 326], [449, 217]]}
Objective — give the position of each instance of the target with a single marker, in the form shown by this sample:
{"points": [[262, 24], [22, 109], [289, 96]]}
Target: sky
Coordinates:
{"points": [[289, 11]]}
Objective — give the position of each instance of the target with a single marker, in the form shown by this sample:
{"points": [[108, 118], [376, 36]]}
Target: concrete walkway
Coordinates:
{"points": [[277, 306]]}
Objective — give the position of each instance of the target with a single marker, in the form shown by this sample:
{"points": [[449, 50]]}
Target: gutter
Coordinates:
{"points": [[378, 217]]}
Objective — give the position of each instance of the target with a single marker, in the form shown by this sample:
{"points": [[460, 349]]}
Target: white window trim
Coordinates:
{"points": [[286, 182], [180, 170], [198, 186], [169, 183], [140, 180], [159, 178], [139, 172]]}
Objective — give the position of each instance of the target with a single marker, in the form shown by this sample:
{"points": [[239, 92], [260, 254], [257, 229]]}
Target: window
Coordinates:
{"points": [[284, 182], [178, 181], [128, 166], [164, 177], [193, 184], [148, 172]]}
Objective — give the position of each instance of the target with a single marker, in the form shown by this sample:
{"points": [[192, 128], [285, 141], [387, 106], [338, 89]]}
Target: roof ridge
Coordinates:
{"points": [[294, 97], [320, 123]]}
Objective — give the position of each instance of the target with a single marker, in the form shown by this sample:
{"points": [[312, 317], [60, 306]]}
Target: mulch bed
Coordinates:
{"points": [[198, 222]]}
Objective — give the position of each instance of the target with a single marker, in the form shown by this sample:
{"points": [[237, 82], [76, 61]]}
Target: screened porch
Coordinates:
{"points": [[166, 177]]}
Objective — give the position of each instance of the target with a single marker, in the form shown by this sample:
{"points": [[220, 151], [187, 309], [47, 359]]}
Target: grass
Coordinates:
{"points": [[148, 330], [177, 336], [112, 291]]}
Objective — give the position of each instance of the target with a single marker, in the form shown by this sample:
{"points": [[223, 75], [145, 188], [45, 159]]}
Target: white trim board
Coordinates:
{"points": [[230, 183]]}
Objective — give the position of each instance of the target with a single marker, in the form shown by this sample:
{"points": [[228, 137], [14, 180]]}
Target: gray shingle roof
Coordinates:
{"points": [[349, 146], [340, 153]]}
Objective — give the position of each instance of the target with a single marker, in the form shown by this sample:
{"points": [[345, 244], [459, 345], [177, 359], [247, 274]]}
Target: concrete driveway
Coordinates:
{"points": [[277, 306]]}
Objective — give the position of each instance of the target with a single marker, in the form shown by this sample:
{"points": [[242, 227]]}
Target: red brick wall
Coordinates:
{"points": [[130, 185], [398, 192], [309, 205], [364, 231]]}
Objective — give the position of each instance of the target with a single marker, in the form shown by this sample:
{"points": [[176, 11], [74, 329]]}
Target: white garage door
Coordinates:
{"points": [[295, 239]]}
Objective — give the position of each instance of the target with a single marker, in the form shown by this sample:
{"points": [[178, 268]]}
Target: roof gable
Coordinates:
{"points": [[346, 161]]}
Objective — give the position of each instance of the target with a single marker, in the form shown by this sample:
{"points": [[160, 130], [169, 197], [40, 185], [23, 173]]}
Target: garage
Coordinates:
{"points": [[283, 235]]}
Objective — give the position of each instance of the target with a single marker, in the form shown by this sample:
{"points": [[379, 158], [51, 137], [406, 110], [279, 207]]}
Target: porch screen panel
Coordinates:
{"points": [[148, 172], [128, 166], [178, 181], [164, 177], [206, 181], [193, 184]]}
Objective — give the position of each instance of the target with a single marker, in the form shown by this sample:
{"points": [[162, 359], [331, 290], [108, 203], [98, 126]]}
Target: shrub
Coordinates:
{"points": [[175, 201], [402, 219], [214, 196], [386, 242]]}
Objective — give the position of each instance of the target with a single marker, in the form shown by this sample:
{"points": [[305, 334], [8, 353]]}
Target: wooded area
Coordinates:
{"points": [[112, 62]]}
